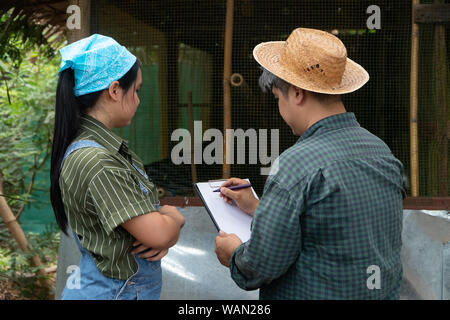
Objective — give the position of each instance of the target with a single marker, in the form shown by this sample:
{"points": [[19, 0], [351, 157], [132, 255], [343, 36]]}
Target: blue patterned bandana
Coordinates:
{"points": [[97, 61]]}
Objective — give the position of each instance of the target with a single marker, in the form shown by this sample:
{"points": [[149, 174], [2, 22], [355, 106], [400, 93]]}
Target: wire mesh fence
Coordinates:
{"points": [[180, 45]]}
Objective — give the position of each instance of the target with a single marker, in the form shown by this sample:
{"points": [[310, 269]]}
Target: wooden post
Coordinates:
{"points": [[67, 257], [190, 110], [163, 98], [414, 145], [440, 74], [438, 14], [85, 30], [227, 88], [172, 84]]}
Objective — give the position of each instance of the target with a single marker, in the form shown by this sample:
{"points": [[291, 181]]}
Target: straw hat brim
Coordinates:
{"points": [[267, 54]]}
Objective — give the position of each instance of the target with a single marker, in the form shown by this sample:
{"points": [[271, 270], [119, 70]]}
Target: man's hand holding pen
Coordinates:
{"points": [[244, 198]]}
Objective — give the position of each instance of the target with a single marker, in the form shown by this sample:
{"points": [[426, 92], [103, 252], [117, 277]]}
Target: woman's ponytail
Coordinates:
{"points": [[68, 110], [67, 124]]}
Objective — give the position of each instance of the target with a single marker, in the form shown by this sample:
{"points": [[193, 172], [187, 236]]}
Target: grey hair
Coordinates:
{"points": [[267, 80]]}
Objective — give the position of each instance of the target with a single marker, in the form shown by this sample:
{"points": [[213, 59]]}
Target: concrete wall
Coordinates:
{"points": [[426, 253]]}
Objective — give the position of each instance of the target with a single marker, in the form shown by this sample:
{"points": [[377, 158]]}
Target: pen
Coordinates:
{"points": [[241, 186]]}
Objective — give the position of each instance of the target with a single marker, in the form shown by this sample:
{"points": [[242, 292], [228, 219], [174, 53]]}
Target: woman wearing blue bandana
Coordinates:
{"points": [[98, 186]]}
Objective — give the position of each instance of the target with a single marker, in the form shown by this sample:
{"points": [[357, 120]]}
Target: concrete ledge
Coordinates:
{"points": [[426, 253], [425, 256]]}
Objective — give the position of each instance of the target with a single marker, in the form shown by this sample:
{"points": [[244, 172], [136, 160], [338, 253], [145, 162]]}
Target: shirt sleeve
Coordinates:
{"points": [[275, 240], [118, 197]]}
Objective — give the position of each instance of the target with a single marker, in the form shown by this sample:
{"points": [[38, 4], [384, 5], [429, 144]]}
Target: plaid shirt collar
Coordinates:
{"points": [[334, 122]]}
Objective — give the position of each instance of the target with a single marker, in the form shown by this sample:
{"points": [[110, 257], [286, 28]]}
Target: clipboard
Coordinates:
{"points": [[226, 217]]}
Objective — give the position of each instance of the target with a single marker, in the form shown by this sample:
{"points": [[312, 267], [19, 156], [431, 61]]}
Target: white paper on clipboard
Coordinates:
{"points": [[227, 217]]}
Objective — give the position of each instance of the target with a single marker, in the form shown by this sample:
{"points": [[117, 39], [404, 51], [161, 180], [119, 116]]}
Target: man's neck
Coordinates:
{"points": [[323, 111]]}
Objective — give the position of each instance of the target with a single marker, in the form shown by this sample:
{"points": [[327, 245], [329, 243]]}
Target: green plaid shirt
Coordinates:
{"points": [[328, 220]]}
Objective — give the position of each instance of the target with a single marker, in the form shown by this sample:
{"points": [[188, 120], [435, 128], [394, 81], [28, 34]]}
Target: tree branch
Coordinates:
{"points": [[6, 85]]}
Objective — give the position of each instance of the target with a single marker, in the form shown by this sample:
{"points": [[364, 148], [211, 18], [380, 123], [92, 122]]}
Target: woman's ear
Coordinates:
{"points": [[114, 90]]}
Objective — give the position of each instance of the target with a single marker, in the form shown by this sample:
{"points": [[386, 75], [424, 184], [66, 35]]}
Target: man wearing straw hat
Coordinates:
{"points": [[328, 225]]}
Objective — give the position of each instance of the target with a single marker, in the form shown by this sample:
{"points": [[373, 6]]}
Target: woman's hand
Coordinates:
{"points": [[158, 229], [150, 254], [147, 253], [173, 212]]}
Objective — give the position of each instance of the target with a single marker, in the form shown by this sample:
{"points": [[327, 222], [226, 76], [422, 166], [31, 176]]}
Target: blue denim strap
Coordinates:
{"points": [[77, 241], [89, 143], [79, 145]]}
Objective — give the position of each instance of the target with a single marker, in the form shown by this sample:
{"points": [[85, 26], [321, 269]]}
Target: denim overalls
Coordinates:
{"points": [[145, 284]]}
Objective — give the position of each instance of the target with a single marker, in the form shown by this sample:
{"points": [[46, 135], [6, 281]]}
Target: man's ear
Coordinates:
{"points": [[114, 90], [298, 95]]}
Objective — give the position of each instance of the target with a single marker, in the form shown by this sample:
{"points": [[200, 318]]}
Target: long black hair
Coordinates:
{"points": [[68, 109]]}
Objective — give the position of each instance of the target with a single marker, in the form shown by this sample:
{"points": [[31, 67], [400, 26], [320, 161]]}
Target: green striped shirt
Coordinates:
{"points": [[100, 190]]}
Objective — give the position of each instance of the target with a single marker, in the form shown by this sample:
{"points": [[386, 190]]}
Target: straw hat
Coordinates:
{"points": [[313, 60]]}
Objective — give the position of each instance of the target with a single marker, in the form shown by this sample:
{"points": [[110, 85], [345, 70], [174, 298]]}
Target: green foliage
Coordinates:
{"points": [[27, 95], [15, 264], [28, 78], [20, 34]]}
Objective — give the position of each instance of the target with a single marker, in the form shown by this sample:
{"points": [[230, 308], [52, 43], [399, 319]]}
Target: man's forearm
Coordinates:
{"points": [[242, 273]]}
